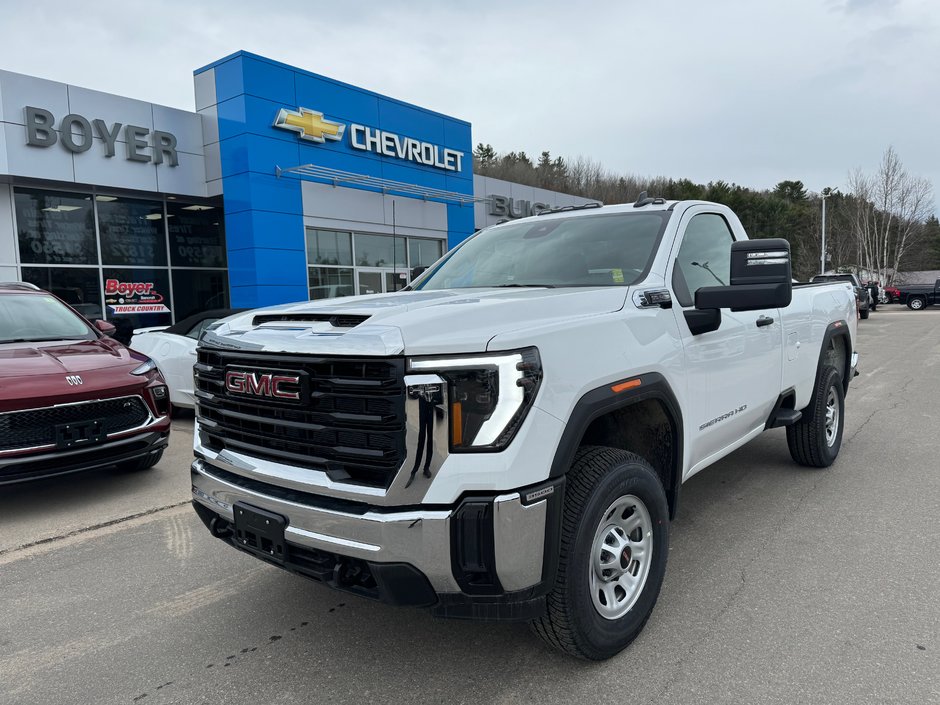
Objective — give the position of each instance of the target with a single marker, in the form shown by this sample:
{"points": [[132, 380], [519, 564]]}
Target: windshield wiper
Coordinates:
{"points": [[539, 286]]}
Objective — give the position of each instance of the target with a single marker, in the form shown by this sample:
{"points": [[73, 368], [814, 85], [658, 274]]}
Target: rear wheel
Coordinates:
{"points": [[916, 303], [138, 464], [614, 545], [863, 313], [815, 440]]}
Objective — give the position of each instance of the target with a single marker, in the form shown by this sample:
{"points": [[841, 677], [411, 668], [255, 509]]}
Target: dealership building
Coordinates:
{"points": [[282, 186]]}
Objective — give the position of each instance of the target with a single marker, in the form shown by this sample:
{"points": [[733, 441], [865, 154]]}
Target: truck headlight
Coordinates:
{"points": [[489, 395]]}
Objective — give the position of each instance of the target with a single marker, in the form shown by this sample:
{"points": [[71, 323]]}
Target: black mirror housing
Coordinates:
{"points": [[760, 278]]}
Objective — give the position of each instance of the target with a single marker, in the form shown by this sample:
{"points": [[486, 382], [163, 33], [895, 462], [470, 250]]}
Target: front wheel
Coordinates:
{"points": [[614, 545], [916, 304], [815, 439], [863, 313]]}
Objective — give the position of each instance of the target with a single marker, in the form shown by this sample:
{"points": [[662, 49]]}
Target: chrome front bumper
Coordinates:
{"points": [[421, 538]]}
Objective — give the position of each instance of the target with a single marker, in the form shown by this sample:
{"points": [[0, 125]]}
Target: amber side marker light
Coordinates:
{"points": [[624, 386], [456, 423]]}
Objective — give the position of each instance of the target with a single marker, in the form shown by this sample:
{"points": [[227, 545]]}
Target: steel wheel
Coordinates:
{"points": [[832, 417], [621, 556], [917, 304]]}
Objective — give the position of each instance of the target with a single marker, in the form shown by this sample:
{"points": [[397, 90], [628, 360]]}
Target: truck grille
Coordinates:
{"points": [[348, 422], [36, 427]]}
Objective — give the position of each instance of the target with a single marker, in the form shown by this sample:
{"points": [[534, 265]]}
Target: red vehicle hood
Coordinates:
{"points": [[35, 374], [70, 357]]}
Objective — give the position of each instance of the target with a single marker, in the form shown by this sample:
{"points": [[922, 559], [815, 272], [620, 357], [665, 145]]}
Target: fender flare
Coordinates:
{"points": [[837, 329], [604, 400]]}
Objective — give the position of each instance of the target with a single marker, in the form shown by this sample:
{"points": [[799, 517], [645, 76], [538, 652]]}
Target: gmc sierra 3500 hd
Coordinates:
{"points": [[506, 440]]}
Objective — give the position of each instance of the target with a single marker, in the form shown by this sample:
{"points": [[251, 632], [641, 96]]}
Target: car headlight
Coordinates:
{"points": [[144, 368], [489, 395]]}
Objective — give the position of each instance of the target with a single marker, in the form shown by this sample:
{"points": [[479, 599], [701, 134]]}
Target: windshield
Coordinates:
{"points": [[36, 317], [612, 249]]}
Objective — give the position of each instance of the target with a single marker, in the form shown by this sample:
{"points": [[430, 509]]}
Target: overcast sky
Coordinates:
{"points": [[747, 91]]}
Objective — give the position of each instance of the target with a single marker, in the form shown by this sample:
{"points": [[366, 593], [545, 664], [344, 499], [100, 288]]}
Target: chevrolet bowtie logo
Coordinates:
{"points": [[309, 124]]}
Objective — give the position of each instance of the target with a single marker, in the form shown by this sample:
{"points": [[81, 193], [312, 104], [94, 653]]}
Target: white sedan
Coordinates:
{"points": [[173, 348]]}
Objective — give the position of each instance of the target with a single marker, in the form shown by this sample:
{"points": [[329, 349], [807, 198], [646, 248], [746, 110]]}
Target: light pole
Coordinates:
{"points": [[826, 193]]}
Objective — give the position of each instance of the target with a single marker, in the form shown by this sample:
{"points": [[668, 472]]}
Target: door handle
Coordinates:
{"points": [[764, 321]]}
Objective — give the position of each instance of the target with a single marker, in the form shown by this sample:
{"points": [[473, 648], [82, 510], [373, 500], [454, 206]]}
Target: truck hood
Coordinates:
{"points": [[62, 357], [410, 322]]}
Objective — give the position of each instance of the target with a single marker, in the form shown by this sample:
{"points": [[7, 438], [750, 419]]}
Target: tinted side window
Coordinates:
{"points": [[704, 257]]}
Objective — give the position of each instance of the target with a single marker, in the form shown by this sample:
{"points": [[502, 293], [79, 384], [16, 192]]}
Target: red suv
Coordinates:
{"points": [[72, 398]]}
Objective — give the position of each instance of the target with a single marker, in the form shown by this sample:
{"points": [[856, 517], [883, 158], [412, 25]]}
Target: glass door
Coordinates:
{"points": [[380, 281], [369, 282]]}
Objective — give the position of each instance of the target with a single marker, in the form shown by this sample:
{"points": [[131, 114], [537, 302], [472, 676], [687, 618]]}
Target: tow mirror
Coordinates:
{"points": [[760, 278], [105, 327]]}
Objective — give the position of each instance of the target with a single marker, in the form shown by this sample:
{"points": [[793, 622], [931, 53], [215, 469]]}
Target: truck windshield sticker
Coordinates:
{"points": [[723, 417]]}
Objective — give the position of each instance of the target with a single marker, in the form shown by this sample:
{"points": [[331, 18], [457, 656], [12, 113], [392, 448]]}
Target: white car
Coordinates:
{"points": [[173, 348]]}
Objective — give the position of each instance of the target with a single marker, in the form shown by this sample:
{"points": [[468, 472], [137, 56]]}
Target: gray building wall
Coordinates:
{"points": [[93, 166], [339, 208], [59, 166], [493, 210]]}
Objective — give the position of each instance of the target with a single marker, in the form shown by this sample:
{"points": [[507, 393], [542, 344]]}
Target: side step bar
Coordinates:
{"points": [[784, 417]]}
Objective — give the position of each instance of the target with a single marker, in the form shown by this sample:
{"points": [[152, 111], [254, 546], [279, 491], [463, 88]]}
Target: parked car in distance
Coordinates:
{"points": [[71, 397], [892, 295], [862, 295], [173, 348], [919, 296]]}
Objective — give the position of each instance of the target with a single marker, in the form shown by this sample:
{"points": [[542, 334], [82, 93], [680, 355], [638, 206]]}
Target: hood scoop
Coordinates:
{"points": [[336, 320]]}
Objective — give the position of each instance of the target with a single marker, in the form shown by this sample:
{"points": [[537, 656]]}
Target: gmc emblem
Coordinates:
{"points": [[274, 385]]}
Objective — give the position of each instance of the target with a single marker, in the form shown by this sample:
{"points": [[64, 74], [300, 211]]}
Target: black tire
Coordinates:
{"points": [[916, 303], [863, 313], [808, 439], [139, 464], [600, 476]]}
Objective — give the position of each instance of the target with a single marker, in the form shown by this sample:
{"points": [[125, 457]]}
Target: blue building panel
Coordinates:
{"points": [[265, 79], [337, 100], [264, 213], [410, 121]]}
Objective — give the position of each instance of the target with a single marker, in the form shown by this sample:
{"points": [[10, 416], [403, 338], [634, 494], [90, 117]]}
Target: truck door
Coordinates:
{"points": [[734, 373]]}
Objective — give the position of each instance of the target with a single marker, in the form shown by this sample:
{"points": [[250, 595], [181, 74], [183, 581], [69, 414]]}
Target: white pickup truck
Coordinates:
{"points": [[507, 439]]}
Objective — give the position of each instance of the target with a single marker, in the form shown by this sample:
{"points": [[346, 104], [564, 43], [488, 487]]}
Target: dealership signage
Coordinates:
{"points": [[133, 297], [505, 207], [76, 134], [313, 126]]}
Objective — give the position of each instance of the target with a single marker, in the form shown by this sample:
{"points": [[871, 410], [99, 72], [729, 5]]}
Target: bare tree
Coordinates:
{"points": [[891, 207]]}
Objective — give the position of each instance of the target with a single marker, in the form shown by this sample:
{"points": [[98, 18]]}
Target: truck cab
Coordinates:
{"points": [[918, 297]]}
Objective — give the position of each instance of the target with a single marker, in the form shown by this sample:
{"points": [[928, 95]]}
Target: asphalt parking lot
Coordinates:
{"points": [[784, 585]]}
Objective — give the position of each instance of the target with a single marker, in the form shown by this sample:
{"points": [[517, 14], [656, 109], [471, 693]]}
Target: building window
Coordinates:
{"points": [[331, 282], [197, 235], [329, 247], [132, 232], [331, 254], [424, 253], [55, 227], [56, 231], [80, 288], [380, 251], [137, 298], [196, 290]]}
